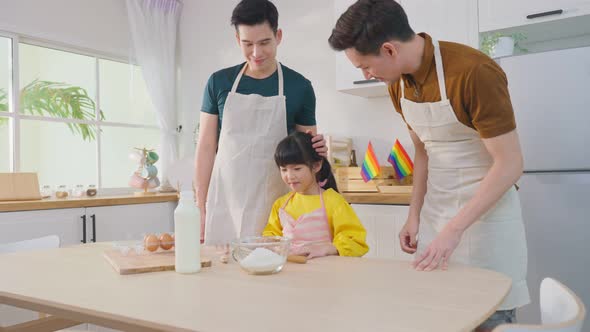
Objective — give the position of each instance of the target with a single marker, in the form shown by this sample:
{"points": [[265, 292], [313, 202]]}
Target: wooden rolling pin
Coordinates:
{"points": [[297, 259]]}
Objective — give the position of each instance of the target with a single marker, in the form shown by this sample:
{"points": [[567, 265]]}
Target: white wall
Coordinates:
{"points": [[208, 44], [97, 25], [101, 28]]}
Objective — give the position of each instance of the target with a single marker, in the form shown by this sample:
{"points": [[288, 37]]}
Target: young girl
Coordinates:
{"points": [[314, 215]]}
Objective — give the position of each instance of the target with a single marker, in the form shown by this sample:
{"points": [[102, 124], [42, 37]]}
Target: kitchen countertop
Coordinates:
{"points": [[83, 202], [378, 198]]}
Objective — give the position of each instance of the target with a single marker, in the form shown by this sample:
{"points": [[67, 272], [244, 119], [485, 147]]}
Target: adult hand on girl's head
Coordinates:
{"points": [[319, 144]]}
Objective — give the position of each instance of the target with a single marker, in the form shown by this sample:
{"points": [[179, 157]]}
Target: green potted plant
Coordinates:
{"points": [[498, 44], [59, 100]]}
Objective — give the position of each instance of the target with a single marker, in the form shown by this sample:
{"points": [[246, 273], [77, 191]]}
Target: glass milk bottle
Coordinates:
{"points": [[187, 234]]}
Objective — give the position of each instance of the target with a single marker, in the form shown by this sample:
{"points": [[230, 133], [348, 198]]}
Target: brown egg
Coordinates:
{"points": [[151, 242], [166, 241]]}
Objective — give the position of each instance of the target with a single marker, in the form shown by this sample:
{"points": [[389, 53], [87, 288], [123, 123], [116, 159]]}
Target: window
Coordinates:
{"points": [[79, 116], [5, 79]]}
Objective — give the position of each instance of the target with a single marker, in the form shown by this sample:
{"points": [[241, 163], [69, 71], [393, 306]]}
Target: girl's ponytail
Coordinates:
{"points": [[325, 176]]}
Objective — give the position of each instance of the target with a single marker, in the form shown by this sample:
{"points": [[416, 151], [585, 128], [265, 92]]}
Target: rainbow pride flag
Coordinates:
{"points": [[370, 168], [401, 162]]}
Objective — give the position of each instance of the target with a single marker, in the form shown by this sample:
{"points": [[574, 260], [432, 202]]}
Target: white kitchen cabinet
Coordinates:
{"points": [[66, 223], [383, 224], [502, 14], [451, 20], [84, 225], [350, 79], [127, 222], [448, 20]]}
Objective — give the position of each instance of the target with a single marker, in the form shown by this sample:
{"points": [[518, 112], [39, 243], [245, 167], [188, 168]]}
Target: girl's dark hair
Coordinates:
{"points": [[367, 24], [297, 148], [253, 12]]}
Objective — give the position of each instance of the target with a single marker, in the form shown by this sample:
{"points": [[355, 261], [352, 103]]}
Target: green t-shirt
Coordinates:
{"points": [[299, 95]]}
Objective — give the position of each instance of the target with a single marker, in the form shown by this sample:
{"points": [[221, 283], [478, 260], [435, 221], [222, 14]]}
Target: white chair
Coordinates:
{"points": [[561, 311], [46, 242]]}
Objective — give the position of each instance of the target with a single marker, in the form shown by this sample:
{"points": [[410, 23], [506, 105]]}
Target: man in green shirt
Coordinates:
{"points": [[247, 109], [300, 97]]}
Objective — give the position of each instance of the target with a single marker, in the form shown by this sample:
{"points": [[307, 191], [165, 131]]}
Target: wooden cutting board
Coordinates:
{"points": [[152, 262]]}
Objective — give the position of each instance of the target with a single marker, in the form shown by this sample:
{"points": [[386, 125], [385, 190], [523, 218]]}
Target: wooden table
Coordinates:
{"points": [[326, 294]]}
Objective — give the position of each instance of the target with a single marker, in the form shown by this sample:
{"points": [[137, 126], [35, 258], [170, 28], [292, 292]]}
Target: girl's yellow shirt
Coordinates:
{"points": [[347, 230]]}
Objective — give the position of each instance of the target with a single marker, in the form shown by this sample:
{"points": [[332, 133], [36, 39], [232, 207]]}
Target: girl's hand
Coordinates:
{"points": [[439, 251], [318, 250]]}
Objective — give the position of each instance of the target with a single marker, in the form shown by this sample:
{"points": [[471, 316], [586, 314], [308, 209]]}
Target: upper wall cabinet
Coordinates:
{"points": [[502, 14], [350, 79], [450, 20], [541, 25]]}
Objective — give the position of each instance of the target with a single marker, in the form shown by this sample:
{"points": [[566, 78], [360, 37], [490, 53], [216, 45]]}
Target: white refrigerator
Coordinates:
{"points": [[550, 93]]}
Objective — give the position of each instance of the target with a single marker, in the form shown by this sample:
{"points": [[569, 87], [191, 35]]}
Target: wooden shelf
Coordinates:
{"points": [[70, 203], [83, 202]]}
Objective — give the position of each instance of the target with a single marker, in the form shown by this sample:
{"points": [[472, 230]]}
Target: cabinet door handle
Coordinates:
{"points": [[83, 229], [549, 13], [372, 80], [93, 217]]}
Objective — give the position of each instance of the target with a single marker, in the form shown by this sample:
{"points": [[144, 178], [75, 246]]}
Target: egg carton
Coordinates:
{"points": [[151, 243]]}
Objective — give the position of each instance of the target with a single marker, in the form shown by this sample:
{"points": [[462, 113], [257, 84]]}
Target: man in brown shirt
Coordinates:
{"points": [[476, 86], [455, 101]]}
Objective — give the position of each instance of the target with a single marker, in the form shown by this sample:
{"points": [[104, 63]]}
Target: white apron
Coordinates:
{"points": [[245, 180], [457, 163]]}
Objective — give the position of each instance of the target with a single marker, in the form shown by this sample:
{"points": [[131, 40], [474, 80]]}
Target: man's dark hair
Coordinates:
{"points": [[367, 24], [254, 12]]}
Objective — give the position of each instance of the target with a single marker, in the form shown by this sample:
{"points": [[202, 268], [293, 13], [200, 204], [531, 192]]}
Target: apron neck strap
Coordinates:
{"points": [[293, 194], [402, 87], [280, 69], [243, 70], [439, 73]]}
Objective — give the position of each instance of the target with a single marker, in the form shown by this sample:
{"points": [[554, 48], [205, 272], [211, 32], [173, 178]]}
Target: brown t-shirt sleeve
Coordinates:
{"points": [[395, 95], [488, 102]]}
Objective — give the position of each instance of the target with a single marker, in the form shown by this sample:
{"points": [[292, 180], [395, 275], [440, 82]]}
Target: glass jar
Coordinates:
{"points": [[62, 191], [91, 191], [79, 191], [46, 191]]}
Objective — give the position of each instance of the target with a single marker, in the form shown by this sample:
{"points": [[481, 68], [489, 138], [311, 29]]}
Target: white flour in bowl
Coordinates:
{"points": [[262, 260]]}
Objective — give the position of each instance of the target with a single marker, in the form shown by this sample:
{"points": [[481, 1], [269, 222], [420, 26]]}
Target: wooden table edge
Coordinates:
{"points": [[492, 310], [85, 315]]}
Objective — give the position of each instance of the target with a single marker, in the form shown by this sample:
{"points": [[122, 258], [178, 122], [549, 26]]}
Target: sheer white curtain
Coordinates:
{"points": [[153, 25]]}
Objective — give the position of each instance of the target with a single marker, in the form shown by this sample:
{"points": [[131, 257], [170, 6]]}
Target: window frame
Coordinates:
{"points": [[15, 117]]}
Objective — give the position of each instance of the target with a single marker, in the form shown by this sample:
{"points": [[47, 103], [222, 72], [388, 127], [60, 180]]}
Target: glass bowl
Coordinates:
{"points": [[261, 254]]}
